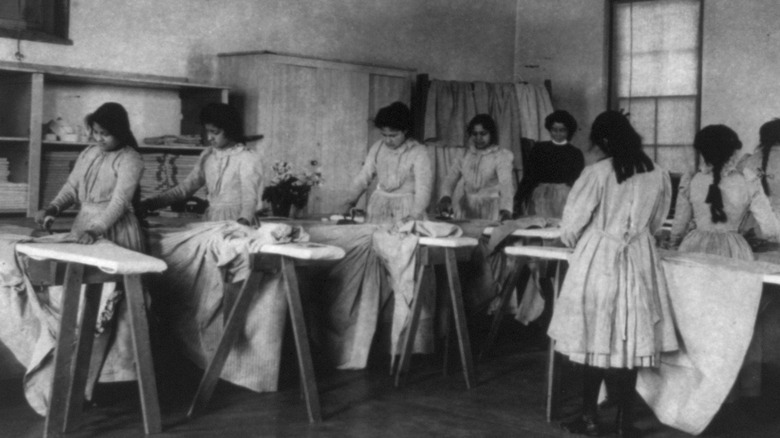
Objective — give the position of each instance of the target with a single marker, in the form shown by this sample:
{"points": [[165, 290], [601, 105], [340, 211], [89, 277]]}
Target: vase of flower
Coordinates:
{"points": [[289, 189], [281, 209]]}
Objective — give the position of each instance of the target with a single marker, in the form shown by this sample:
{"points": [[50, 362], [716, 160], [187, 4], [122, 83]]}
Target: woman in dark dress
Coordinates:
{"points": [[551, 169]]}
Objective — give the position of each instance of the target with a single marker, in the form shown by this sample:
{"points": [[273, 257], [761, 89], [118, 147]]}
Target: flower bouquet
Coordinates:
{"points": [[288, 188]]}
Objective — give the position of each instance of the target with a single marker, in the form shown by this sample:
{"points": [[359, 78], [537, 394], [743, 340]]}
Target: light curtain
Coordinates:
{"points": [[518, 109]]}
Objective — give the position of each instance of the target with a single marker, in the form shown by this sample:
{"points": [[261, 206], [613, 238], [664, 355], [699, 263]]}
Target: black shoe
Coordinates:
{"points": [[625, 427], [583, 425]]}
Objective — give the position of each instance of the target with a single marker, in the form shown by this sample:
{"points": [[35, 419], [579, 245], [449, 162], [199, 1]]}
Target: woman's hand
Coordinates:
{"points": [[87, 238], [45, 217], [411, 218], [145, 207], [445, 205]]}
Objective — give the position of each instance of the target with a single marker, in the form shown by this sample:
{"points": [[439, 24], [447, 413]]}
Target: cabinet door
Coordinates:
{"points": [[343, 135], [311, 110]]}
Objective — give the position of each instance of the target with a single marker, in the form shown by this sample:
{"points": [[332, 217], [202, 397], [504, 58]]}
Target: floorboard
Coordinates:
{"points": [[507, 401]]}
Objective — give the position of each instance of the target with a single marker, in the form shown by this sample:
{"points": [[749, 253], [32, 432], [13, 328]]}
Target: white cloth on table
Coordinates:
{"points": [[350, 295], [355, 292], [200, 258], [397, 247], [30, 323], [715, 301]]}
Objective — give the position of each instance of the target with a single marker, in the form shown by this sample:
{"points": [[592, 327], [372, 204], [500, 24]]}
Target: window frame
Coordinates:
{"points": [[55, 29], [613, 100]]}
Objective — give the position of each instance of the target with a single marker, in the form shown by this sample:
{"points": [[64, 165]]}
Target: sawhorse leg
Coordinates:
{"points": [[142, 351], [553, 363], [72, 353], [461, 328], [233, 326], [297, 319], [407, 341], [518, 278]]}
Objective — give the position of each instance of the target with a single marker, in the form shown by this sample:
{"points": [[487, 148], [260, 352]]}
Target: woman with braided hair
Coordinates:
{"points": [[713, 203], [613, 314]]}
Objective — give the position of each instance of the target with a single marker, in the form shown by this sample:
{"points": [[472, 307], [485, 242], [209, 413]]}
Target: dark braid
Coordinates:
{"points": [[769, 135], [716, 144], [715, 197]]}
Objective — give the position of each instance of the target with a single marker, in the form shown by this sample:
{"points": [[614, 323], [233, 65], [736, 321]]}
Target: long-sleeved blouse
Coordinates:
{"points": [[613, 309], [404, 181], [486, 172], [770, 174], [741, 193], [233, 179], [103, 183]]}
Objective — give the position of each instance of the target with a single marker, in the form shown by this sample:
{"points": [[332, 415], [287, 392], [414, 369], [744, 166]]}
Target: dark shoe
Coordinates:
{"points": [[583, 425], [625, 426]]}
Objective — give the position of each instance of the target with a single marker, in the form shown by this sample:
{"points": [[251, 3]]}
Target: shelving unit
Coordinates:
{"points": [[35, 94]]}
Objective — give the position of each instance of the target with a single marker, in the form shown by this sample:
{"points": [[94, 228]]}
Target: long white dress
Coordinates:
{"points": [[613, 309], [487, 182], [404, 182]]}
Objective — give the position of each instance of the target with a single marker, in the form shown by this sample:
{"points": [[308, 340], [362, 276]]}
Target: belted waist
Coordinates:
{"points": [[401, 191], [623, 259]]}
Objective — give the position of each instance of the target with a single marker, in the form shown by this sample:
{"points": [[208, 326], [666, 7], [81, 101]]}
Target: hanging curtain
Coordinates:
{"points": [[518, 109], [535, 104]]}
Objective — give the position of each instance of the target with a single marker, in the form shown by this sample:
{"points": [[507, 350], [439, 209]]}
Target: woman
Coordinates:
{"points": [[104, 181], [486, 170], [613, 313], [766, 162], [711, 205], [229, 170], [716, 200], [402, 168], [552, 168]]}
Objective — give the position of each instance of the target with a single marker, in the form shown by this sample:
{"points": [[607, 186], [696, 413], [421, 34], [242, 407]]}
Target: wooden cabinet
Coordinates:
{"points": [[32, 95], [312, 110]]}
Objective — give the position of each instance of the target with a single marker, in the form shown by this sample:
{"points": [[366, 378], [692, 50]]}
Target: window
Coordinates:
{"points": [[37, 20], [656, 60]]}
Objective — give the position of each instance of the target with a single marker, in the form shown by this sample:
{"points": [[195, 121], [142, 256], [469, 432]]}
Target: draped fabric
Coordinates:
{"points": [[30, 323], [201, 259], [715, 301], [518, 109]]}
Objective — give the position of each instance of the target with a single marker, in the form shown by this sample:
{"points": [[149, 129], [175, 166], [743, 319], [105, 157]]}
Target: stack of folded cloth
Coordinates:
{"points": [[174, 140], [12, 195]]}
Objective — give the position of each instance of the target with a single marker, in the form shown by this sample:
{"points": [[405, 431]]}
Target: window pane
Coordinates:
{"points": [[642, 117], [676, 121], [656, 47], [676, 159]]}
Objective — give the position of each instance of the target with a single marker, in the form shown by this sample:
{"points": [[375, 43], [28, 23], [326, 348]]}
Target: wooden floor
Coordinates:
{"points": [[508, 401]]}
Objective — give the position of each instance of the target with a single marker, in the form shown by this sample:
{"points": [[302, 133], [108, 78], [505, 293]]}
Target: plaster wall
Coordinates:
{"points": [[741, 61], [565, 41], [448, 39]]}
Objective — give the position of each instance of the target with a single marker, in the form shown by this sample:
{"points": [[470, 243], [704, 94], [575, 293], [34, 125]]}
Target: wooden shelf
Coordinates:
{"points": [[154, 148], [65, 144], [35, 93], [91, 76]]}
